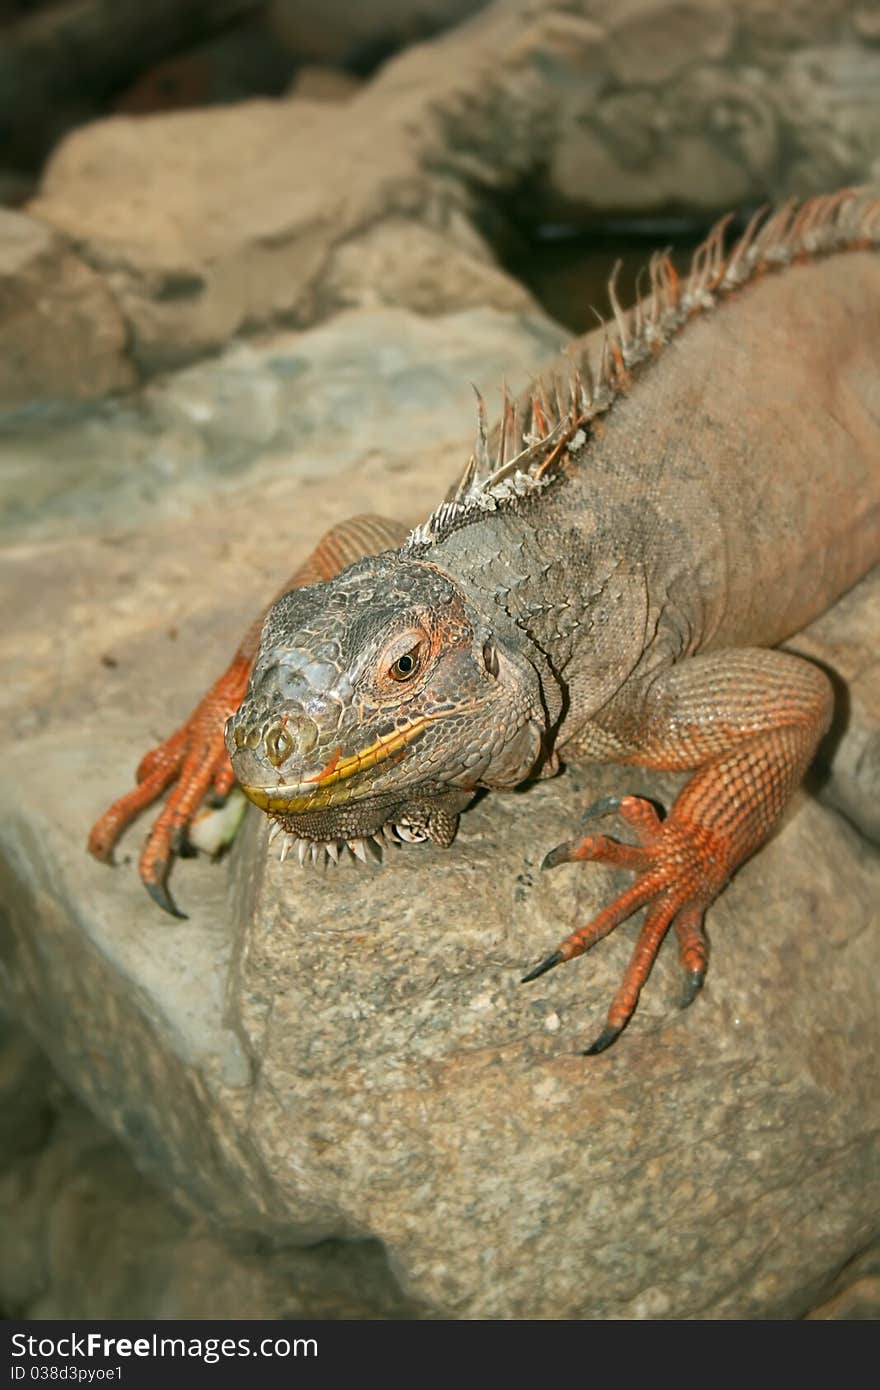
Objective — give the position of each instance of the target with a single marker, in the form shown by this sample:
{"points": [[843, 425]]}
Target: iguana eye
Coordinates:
{"points": [[405, 667]]}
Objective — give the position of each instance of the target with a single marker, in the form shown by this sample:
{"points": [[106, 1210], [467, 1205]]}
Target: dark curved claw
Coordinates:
{"points": [[556, 959], [693, 984], [566, 853], [162, 898], [602, 807], [560, 855], [605, 1039]]}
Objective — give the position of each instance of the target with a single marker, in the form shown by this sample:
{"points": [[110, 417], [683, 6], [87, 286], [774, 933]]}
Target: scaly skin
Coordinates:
{"points": [[611, 593]]}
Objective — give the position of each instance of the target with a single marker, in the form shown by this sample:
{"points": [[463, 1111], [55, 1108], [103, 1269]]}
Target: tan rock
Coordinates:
{"points": [[866, 20], [316, 83], [204, 224], [62, 337], [400, 261], [652, 41]]}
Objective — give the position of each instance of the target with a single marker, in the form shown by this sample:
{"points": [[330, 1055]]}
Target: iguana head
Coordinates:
{"points": [[379, 702]]}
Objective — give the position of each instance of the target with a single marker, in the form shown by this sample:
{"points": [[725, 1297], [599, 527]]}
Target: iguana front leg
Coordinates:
{"points": [[750, 722], [195, 754]]}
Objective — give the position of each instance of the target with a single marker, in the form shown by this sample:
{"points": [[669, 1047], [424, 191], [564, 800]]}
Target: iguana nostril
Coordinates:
{"points": [[279, 746], [296, 733]]}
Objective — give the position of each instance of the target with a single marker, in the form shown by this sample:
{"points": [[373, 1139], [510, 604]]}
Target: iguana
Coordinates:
{"points": [[607, 587]]}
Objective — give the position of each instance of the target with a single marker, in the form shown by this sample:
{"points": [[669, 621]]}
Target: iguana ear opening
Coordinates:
{"points": [[518, 712], [490, 657]]}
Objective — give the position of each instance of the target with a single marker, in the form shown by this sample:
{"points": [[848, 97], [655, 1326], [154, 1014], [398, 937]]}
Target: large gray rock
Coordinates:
{"points": [[351, 1055], [204, 223], [380, 393]]}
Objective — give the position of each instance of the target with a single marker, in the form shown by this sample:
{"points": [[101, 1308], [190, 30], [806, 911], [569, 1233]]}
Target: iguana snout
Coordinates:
{"points": [[378, 703]]}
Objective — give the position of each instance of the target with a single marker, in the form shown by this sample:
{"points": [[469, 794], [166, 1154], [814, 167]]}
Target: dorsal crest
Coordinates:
{"points": [[540, 433]]}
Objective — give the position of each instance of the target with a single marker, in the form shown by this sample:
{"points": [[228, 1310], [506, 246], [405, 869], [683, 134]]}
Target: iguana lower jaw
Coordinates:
{"points": [[367, 828]]}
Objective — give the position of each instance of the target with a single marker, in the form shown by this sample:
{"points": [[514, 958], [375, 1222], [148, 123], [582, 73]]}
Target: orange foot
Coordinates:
{"points": [[196, 756], [681, 868]]}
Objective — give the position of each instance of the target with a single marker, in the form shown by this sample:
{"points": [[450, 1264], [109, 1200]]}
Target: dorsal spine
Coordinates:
{"points": [[534, 443]]}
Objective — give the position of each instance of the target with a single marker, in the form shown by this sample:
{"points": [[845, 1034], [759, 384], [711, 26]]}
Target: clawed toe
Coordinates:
{"points": [[677, 875]]}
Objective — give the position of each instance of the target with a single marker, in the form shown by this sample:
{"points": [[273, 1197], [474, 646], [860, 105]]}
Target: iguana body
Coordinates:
{"points": [[611, 593]]}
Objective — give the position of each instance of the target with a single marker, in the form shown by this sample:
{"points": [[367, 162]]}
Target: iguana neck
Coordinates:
{"points": [[515, 566]]}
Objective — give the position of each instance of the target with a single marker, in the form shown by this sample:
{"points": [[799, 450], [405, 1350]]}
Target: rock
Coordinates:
{"points": [[348, 31], [49, 301], [274, 415], [317, 83], [25, 1084], [845, 641], [458, 1101], [866, 21], [401, 262], [58, 62], [80, 1205], [654, 41], [351, 1055], [856, 1291], [206, 223]]}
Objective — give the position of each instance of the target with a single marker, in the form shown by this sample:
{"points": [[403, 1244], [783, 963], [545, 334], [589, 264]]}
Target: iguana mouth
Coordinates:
{"points": [[363, 847], [323, 788]]}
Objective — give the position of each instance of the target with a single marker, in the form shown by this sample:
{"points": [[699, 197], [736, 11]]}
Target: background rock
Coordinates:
{"points": [[61, 60], [205, 223], [49, 301], [314, 82], [292, 415], [25, 1085]]}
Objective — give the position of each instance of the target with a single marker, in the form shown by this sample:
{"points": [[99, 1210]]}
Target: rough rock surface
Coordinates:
{"points": [[71, 1201], [204, 223], [293, 414], [848, 766], [61, 333], [856, 1293], [351, 1055]]}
